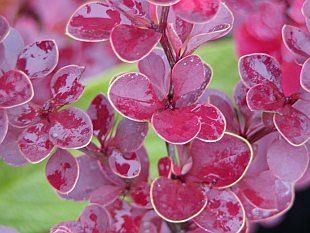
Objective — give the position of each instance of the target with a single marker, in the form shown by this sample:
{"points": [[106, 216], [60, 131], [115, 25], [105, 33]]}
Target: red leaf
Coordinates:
{"points": [[15, 89], [90, 178], [105, 195], [38, 59], [62, 171], [4, 124], [156, 67], [134, 96], [66, 85], [140, 194], [177, 126], [23, 115], [93, 21], [4, 28], [164, 167], [293, 125], [189, 85], [130, 135], [125, 165], [260, 69], [287, 162], [101, 113], [223, 213], [222, 163], [9, 151], [197, 11], [132, 44], [265, 97], [71, 128], [95, 219], [213, 123], [145, 165], [164, 2], [305, 76], [297, 41], [34, 142], [175, 201]]}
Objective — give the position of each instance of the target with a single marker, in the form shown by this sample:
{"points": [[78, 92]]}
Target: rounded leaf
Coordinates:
{"points": [[177, 126], [305, 76], [4, 28], [222, 163], [23, 115], [105, 195], [34, 142], [287, 162], [223, 213], [125, 165], [197, 11], [293, 125], [260, 69], [140, 195], [15, 89], [131, 43], [175, 201], [67, 227], [66, 85], [134, 96], [95, 218], [93, 22], [71, 128], [130, 135], [38, 59], [265, 97], [213, 123], [101, 114], [164, 166], [164, 2], [62, 171], [4, 124]]}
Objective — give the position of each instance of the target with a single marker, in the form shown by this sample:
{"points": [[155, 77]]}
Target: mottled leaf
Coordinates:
{"points": [[23, 115], [105, 195]]}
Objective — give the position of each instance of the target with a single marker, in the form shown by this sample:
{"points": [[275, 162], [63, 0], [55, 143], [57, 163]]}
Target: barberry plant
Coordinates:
{"points": [[227, 165]]}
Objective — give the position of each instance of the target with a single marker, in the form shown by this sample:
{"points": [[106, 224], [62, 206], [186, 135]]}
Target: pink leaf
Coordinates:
{"points": [[93, 21], [62, 171], [23, 115], [287, 162], [132, 44], [34, 142], [156, 67], [9, 151], [134, 96], [125, 165], [4, 124], [297, 41], [177, 126], [189, 85], [110, 175], [305, 76], [67, 227], [140, 194], [38, 59], [222, 163], [66, 85], [197, 11], [130, 135], [265, 97], [70, 128], [4, 28], [223, 213], [101, 113], [213, 123], [95, 218], [105, 195], [164, 167], [15, 89], [175, 201], [164, 2], [260, 69], [145, 165], [293, 125], [90, 178]]}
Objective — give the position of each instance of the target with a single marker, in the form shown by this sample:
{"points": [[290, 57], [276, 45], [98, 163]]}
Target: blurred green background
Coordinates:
{"points": [[29, 204]]}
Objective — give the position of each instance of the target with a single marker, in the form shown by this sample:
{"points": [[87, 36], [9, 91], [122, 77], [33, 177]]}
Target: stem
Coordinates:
{"points": [[260, 134], [171, 152], [93, 151]]}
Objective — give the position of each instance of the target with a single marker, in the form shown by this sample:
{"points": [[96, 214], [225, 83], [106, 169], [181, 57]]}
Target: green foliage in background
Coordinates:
{"points": [[29, 204]]}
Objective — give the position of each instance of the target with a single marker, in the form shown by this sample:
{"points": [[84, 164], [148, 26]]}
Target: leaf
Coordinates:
{"points": [[175, 201], [4, 28], [23, 115], [132, 44], [62, 171], [105, 195], [4, 124], [305, 76], [38, 59], [164, 2], [164, 167]]}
